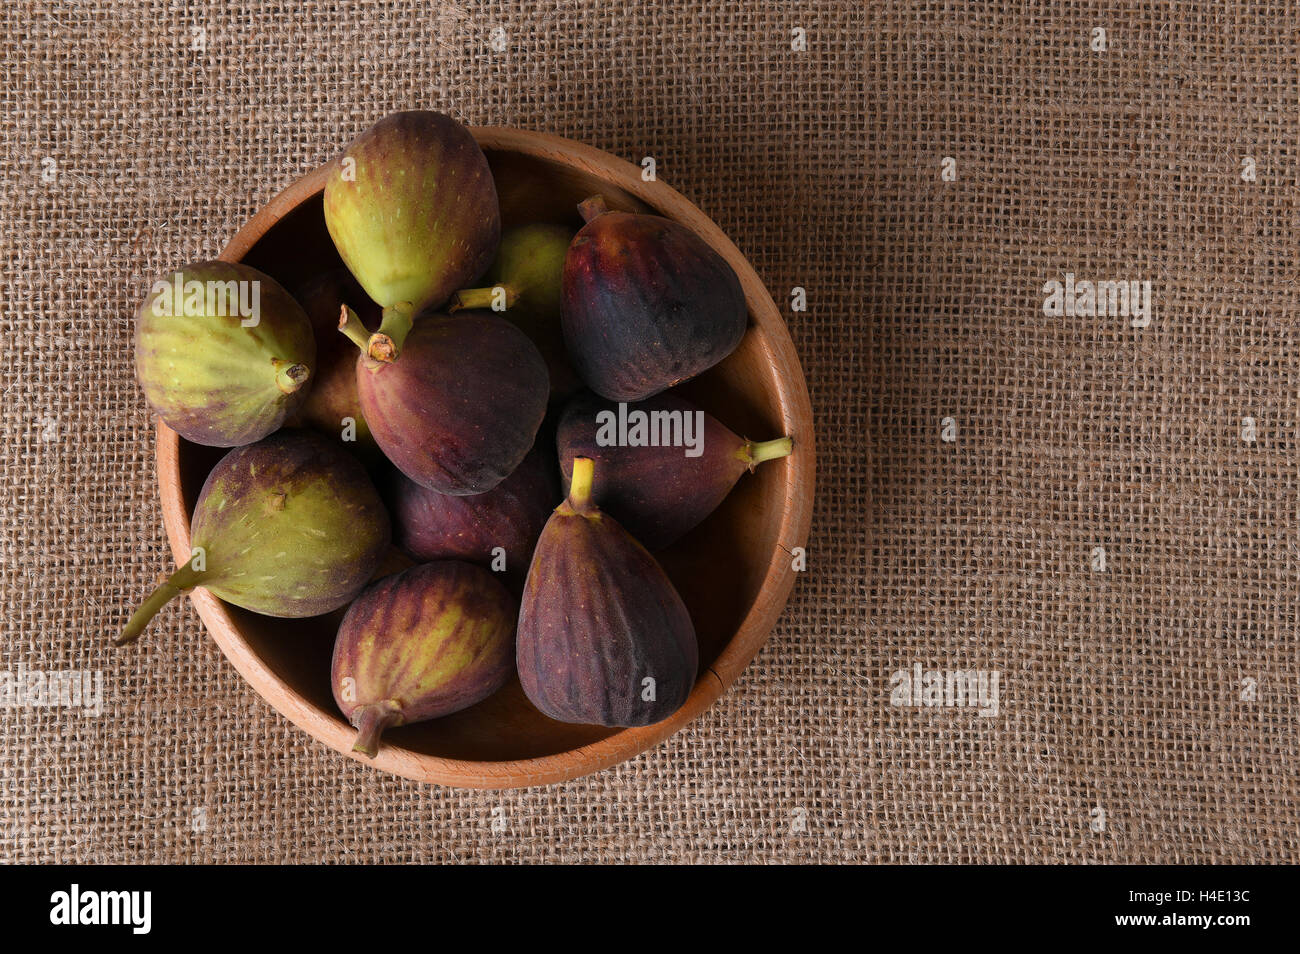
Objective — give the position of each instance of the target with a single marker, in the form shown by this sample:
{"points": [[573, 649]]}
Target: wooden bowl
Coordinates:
{"points": [[734, 571]]}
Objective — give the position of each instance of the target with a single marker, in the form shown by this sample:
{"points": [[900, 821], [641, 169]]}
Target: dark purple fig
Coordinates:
{"points": [[662, 465], [413, 211], [647, 303], [604, 638], [497, 529], [332, 406], [457, 410], [223, 353], [523, 285], [422, 644], [290, 526]]}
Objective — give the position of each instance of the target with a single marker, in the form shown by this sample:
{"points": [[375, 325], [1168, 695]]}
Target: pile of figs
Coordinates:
{"points": [[462, 444]]}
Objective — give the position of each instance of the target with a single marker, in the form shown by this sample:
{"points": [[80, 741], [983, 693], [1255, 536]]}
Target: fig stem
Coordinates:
{"points": [[482, 297], [386, 343], [289, 377], [370, 721], [185, 578], [584, 472], [351, 326], [591, 207], [756, 452]]}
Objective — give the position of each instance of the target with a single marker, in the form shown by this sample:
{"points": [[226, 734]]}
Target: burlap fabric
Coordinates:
{"points": [[1148, 688]]}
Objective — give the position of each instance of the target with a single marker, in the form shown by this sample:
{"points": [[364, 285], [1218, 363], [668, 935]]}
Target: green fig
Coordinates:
{"points": [[289, 526], [422, 644], [413, 211], [223, 353], [647, 303], [662, 464], [332, 406], [524, 285], [604, 638]]}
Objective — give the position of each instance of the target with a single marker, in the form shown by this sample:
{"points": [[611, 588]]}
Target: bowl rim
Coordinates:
{"points": [[778, 581]]}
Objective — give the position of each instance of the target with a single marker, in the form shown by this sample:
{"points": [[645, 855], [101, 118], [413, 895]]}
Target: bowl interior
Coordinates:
{"points": [[719, 568]]}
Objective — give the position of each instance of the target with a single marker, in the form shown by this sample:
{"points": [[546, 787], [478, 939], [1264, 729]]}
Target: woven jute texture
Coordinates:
{"points": [[1099, 512]]}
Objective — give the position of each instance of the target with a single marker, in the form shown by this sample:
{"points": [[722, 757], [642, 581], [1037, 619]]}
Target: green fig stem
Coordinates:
{"points": [[371, 721], [289, 377], [584, 473], [386, 343], [482, 297], [351, 326], [754, 453], [592, 207], [185, 578]]}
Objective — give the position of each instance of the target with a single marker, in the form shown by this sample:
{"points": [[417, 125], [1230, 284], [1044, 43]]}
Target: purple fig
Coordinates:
{"points": [[458, 409], [413, 211], [497, 529], [332, 406], [647, 303], [662, 465], [604, 638], [290, 526], [223, 353], [523, 284], [422, 644]]}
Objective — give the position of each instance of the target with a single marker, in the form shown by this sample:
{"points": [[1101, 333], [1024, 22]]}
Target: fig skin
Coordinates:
{"points": [[333, 395], [422, 644], [433, 526], [394, 561], [210, 378], [647, 304], [290, 526], [458, 410], [419, 220], [598, 616], [528, 269], [659, 494]]}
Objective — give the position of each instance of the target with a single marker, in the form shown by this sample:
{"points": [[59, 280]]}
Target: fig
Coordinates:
{"points": [[433, 526], [289, 526], [421, 644], [458, 409], [332, 406], [662, 465], [524, 285], [413, 211], [223, 353], [646, 303], [604, 638]]}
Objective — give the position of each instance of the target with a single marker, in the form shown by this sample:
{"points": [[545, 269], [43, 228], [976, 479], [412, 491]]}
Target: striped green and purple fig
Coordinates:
{"points": [[422, 644], [524, 285], [332, 406], [497, 529], [289, 526], [604, 638], [413, 211], [647, 303], [662, 465], [224, 354], [458, 409]]}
